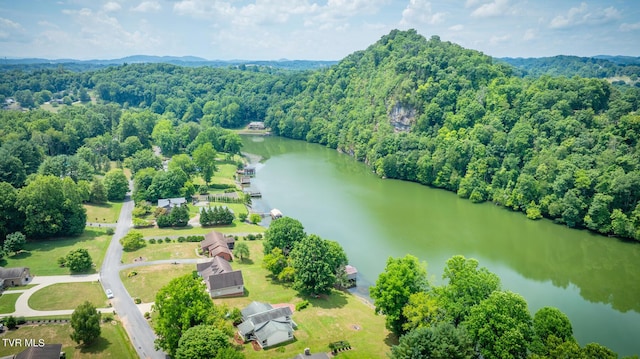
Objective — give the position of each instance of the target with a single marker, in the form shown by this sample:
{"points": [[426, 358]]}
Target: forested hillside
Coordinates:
{"points": [[415, 109], [569, 66], [435, 113]]}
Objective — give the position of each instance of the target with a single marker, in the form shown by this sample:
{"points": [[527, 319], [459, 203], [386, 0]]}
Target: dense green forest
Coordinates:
{"points": [[428, 111], [569, 66]]}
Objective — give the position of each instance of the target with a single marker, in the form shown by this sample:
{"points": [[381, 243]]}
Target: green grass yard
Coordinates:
{"points": [[103, 213], [235, 227], [112, 343], [8, 302], [159, 251], [68, 296], [150, 279], [40, 256], [339, 316]]}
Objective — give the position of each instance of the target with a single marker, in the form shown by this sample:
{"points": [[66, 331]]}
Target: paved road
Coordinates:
{"points": [[141, 335]]}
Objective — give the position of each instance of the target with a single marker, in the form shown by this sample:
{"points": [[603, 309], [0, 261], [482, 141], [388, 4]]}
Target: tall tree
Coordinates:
{"points": [[401, 278], [10, 218], [204, 156], [444, 341], [283, 233], [501, 326], [180, 305], [116, 184], [85, 321], [202, 342], [547, 322], [315, 271], [467, 286], [241, 250], [51, 208]]}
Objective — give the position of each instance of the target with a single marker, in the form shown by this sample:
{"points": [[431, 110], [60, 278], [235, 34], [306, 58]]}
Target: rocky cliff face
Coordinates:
{"points": [[402, 117]]}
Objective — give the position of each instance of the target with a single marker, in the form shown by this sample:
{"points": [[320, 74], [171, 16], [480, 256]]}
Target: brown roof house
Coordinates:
{"points": [[215, 244], [267, 325], [221, 280], [11, 277]]}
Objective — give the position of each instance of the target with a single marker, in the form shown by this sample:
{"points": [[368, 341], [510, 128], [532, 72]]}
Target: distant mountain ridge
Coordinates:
{"points": [[189, 61]]}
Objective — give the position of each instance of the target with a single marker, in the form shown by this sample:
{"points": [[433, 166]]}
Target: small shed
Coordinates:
{"points": [[275, 213]]}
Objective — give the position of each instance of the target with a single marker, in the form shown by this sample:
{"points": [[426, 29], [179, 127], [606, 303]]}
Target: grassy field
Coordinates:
{"points": [[150, 279], [113, 341], [40, 256], [103, 213], [159, 251], [188, 230], [339, 316], [68, 296], [8, 302]]}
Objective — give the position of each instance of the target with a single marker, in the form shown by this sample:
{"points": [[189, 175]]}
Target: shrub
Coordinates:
{"points": [[137, 300], [255, 218], [181, 239], [11, 322], [110, 231], [147, 315], [159, 240], [251, 237], [242, 216], [107, 318], [152, 241], [132, 273], [259, 236], [300, 306], [203, 189], [62, 261], [21, 320], [141, 223]]}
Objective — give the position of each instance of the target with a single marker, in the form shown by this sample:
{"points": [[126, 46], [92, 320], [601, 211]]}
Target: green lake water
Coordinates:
{"points": [[594, 279]]}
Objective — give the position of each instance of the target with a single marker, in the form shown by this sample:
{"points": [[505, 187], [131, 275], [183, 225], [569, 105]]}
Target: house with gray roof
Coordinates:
{"points": [[14, 276], [221, 280], [267, 325]]}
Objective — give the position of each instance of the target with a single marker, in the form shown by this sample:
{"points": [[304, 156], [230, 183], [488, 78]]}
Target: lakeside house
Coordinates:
{"points": [[266, 325], [14, 276], [256, 125], [221, 280]]}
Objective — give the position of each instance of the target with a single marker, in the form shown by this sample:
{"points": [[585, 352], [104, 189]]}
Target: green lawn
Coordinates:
{"points": [[150, 279], [68, 296], [236, 227], [40, 256], [159, 251], [103, 213], [22, 287], [113, 341], [339, 316], [8, 302]]}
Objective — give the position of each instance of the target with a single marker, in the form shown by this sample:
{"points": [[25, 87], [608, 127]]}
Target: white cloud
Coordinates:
{"points": [[147, 6], [111, 6], [419, 12], [495, 40], [458, 27], [11, 31], [583, 15], [630, 27], [530, 34], [494, 8]]}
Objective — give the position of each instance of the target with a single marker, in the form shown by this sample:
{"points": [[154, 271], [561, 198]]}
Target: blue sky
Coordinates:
{"points": [[310, 29]]}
